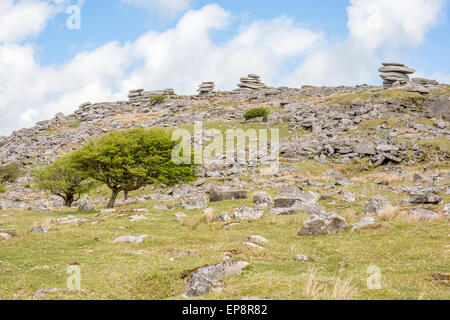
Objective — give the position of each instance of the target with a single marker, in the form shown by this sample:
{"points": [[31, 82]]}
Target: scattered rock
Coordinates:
{"points": [[245, 213], [375, 206], [138, 218], [222, 218], [204, 280], [131, 239], [40, 229], [301, 257], [194, 202], [326, 223], [366, 223], [217, 195], [180, 215], [85, 204], [257, 239], [424, 196], [5, 236], [263, 199], [423, 214]]}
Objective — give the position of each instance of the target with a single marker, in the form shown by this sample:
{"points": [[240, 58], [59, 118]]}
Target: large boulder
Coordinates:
{"points": [[326, 223], [194, 202], [217, 195], [439, 108], [375, 205], [263, 199], [85, 204], [42, 205], [423, 214], [245, 213], [424, 196], [289, 199], [205, 280]]}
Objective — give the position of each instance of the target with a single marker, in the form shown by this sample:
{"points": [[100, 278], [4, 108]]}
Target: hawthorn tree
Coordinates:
{"points": [[63, 179], [9, 173], [128, 160]]}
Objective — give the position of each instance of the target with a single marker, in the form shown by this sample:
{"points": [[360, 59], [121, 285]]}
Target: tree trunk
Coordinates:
{"points": [[125, 195], [112, 200], [68, 200]]}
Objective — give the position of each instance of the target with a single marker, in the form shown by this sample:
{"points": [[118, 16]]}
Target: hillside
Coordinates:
{"points": [[363, 181]]}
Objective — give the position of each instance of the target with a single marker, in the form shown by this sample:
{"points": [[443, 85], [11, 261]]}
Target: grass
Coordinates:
{"points": [[372, 95], [407, 252]]}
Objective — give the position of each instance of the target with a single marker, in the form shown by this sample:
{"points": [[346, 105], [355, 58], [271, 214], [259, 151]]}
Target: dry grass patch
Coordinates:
{"points": [[390, 178]]}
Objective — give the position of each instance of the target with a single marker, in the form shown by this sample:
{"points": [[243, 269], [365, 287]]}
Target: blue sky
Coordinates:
{"points": [[46, 68]]}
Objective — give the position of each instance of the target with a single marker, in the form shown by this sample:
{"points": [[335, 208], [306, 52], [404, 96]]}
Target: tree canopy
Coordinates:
{"points": [[63, 179], [128, 160]]}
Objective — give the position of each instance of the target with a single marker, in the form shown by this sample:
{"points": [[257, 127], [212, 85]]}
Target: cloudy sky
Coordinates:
{"points": [[49, 65]]}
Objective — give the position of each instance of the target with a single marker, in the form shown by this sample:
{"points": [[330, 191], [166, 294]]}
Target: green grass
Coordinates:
{"points": [[375, 94], [408, 254]]}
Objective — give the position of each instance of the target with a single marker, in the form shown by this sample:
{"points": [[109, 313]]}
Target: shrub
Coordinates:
{"points": [[128, 160], [62, 179], [9, 173], [256, 113], [158, 99]]}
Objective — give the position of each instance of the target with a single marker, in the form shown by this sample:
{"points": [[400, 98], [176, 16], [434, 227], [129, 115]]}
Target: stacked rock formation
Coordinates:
{"points": [[395, 74], [250, 83], [138, 94], [206, 88]]}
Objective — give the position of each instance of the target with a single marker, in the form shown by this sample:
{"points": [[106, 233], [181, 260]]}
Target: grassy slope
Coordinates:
{"points": [[407, 252]]}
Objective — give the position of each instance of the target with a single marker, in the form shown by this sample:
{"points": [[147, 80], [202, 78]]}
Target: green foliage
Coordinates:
{"points": [[75, 124], [2, 189], [128, 160], [158, 99], [9, 173], [61, 178], [256, 113]]}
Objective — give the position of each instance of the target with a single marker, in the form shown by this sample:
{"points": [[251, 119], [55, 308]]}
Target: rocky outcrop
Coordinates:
{"points": [[206, 88], [250, 83], [395, 74]]}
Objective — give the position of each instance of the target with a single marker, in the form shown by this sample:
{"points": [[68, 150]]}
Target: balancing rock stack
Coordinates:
{"points": [[206, 88], [250, 83], [395, 74]]}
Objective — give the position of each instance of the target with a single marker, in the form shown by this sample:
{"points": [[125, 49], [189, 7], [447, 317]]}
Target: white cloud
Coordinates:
{"points": [[23, 19], [374, 25], [180, 58], [394, 23], [186, 55]]}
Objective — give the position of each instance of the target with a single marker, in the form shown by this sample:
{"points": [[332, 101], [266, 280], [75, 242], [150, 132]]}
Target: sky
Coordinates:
{"points": [[58, 54]]}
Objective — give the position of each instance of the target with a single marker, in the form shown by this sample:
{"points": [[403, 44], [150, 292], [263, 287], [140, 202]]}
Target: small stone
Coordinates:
{"points": [[40, 229], [180, 215], [301, 257], [365, 223], [222, 218], [253, 245], [131, 239], [138, 218], [5, 236], [257, 239]]}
